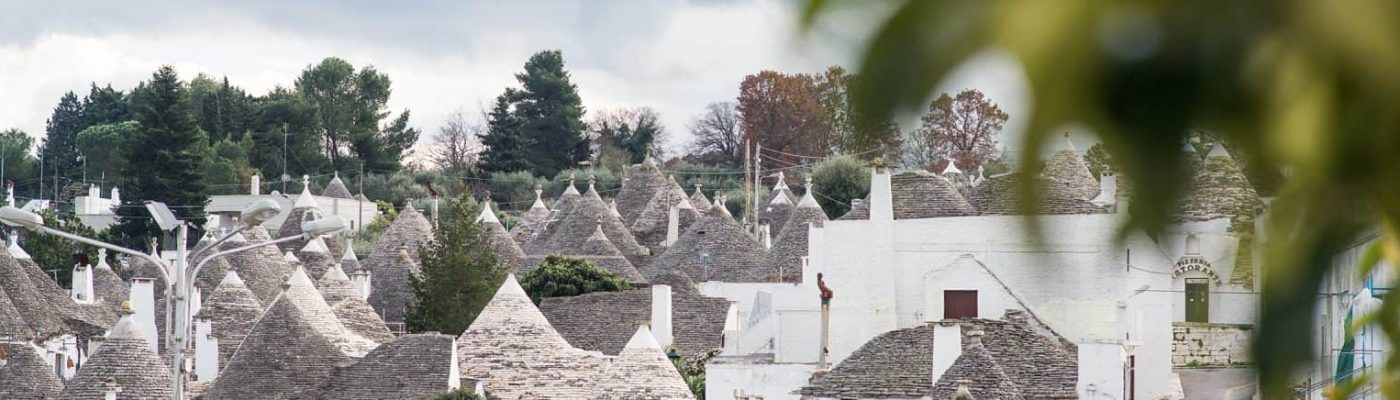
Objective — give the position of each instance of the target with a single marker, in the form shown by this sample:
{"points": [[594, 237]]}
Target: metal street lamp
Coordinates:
{"points": [[181, 287]]}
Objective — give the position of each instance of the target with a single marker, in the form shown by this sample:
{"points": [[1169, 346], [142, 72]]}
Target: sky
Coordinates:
{"points": [[443, 56]]}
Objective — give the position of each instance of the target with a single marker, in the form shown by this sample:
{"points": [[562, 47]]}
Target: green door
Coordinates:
{"points": [[1197, 300]]}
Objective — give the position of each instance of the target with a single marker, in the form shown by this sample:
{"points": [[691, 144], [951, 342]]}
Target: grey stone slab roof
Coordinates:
{"points": [[12, 324], [300, 291], [336, 188], [336, 286], [262, 268], [414, 366], [43, 320], [650, 227], [604, 321], [918, 194], [575, 227], [1011, 361], [539, 240], [508, 253], [1218, 189], [285, 356], [26, 376], [783, 262], [232, 310], [512, 345], [126, 358], [213, 272], [642, 371], [638, 188], [81, 319], [1066, 166], [316, 258], [699, 201], [776, 216], [532, 220], [390, 292], [108, 286], [292, 226], [1002, 194], [715, 248], [359, 318]]}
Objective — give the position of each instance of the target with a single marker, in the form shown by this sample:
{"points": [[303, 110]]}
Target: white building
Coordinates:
{"points": [[919, 257], [95, 211], [334, 200]]}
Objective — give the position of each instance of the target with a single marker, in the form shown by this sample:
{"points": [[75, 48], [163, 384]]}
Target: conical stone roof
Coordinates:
{"points": [[23, 375], [302, 293], [109, 287], [232, 309], [316, 258], [43, 320], [417, 366], [642, 371], [336, 286], [507, 251], [540, 239], [1219, 189], [699, 201], [353, 312], [638, 189], [124, 357], [285, 356], [1002, 195], [262, 269], [336, 188], [574, 229], [520, 355], [12, 324], [349, 263], [715, 248], [303, 210], [390, 292], [531, 221], [90, 320], [1068, 167], [784, 260], [919, 194], [599, 251], [650, 227], [776, 215]]}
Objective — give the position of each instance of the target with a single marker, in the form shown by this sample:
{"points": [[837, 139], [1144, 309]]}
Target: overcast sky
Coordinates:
{"points": [[442, 55]]}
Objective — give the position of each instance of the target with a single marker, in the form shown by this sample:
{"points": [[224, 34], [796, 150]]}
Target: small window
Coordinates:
{"points": [[958, 304], [1193, 245]]}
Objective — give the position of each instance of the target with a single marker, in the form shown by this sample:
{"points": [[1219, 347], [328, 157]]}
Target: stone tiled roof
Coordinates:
{"points": [[642, 371], [390, 292], [141, 268], [602, 321], [285, 356], [316, 258], [262, 269], [336, 188], [414, 366], [699, 201], [352, 311], [1218, 189], [650, 227], [538, 241], [508, 252], [527, 225], [43, 320], [784, 260], [108, 286], [301, 292], [575, 227], [1002, 194], [349, 263], [126, 358], [232, 309], [82, 319], [12, 324], [1066, 166], [638, 189], [336, 286], [919, 194], [512, 345], [292, 225], [1011, 361], [715, 248], [24, 375]]}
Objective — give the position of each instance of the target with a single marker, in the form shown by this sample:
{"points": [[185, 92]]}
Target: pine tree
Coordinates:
{"points": [[163, 159], [552, 115], [504, 141], [459, 275], [104, 105], [60, 149]]}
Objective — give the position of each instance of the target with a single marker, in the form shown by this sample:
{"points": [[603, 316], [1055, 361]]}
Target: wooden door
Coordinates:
{"points": [[959, 304], [1197, 300]]}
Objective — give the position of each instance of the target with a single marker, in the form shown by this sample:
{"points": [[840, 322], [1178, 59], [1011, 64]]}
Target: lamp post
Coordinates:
{"points": [[178, 276]]}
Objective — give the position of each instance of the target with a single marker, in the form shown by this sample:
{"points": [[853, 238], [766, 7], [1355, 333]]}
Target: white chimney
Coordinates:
{"points": [[255, 185], [1108, 190], [143, 306], [947, 346], [454, 369], [206, 351], [110, 389], [361, 280], [82, 291], [673, 226], [116, 196], [765, 237], [881, 204], [661, 314], [196, 300], [731, 330]]}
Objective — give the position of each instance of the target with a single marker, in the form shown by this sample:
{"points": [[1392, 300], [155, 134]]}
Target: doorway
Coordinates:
{"points": [[1197, 300]]}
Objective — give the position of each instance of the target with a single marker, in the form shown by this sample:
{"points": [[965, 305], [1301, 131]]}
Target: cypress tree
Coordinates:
{"points": [[163, 160], [459, 272]]}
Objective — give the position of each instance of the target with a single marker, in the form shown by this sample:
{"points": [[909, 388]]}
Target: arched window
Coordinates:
{"points": [[1193, 245]]}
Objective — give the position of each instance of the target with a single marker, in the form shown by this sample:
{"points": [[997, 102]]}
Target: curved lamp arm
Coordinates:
{"points": [[94, 242]]}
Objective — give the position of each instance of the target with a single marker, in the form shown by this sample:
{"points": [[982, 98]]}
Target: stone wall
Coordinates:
{"points": [[1197, 344]]}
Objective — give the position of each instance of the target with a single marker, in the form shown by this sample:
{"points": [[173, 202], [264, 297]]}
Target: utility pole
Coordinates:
{"points": [[285, 177], [748, 175], [757, 184]]}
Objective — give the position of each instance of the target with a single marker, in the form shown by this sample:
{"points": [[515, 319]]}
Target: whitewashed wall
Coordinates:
{"points": [[772, 381]]}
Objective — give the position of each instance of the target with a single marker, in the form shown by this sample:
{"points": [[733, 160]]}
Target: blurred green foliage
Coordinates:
{"points": [[560, 276]]}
